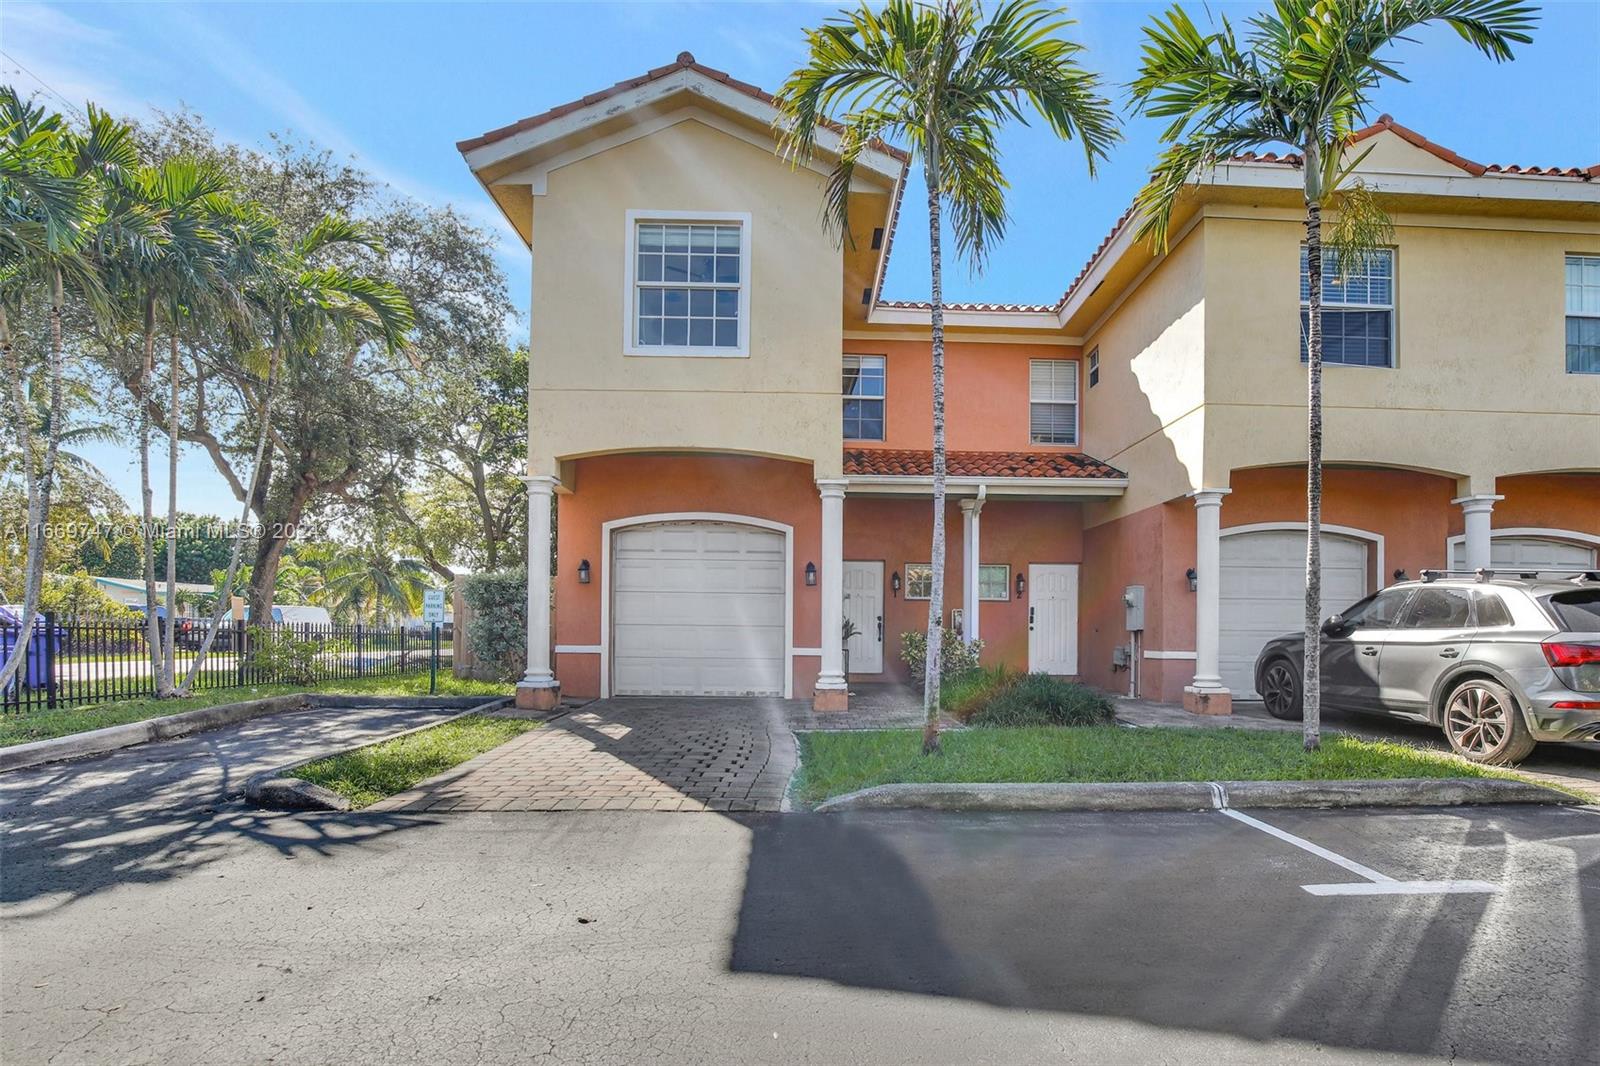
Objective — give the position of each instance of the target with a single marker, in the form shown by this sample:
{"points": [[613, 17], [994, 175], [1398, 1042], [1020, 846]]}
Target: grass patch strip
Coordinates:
{"points": [[366, 775], [833, 764], [65, 721]]}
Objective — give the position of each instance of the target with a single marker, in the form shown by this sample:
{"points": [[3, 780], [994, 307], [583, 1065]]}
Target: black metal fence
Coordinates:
{"points": [[74, 662]]}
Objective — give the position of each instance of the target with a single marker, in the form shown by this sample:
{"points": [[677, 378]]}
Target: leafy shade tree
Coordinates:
{"points": [[1302, 76], [944, 80]]}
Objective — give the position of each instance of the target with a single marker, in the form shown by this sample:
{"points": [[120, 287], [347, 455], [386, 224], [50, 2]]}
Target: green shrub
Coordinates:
{"points": [[1039, 699], [964, 695], [955, 656], [283, 657], [497, 631]]}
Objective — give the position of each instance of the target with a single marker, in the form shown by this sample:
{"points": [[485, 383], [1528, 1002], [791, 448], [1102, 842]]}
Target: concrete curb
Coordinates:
{"points": [[1195, 795], [278, 788], [172, 726]]}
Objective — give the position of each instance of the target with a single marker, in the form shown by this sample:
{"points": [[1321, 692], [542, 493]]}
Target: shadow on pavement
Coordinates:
{"points": [[1185, 921]]}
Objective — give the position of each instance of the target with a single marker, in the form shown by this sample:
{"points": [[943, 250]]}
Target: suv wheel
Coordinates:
{"points": [[1483, 723], [1280, 690]]}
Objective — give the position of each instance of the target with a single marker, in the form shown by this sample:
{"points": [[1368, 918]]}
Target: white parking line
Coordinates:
{"points": [[1377, 884]]}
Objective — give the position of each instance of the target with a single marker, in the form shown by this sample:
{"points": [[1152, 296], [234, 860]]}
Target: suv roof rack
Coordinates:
{"points": [[1580, 576], [1477, 575]]}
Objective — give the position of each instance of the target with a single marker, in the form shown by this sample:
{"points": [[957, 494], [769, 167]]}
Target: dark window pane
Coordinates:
{"points": [[727, 270], [649, 238], [675, 302], [676, 268], [649, 268], [1436, 609], [649, 331], [1352, 338], [727, 303], [1491, 610], [650, 302], [1583, 345], [677, 238], [1578, 612], [700, 332], [700, 303], [871, 429], [700, 269], [727, 333], [703, 239], [675, 331]]}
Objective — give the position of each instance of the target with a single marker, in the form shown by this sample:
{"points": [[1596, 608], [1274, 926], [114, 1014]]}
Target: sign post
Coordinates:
{"points": [[433, 614]]}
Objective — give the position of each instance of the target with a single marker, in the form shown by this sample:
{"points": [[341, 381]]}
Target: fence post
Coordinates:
{"points": [[360, 663], [47, 656], [238, 649]]}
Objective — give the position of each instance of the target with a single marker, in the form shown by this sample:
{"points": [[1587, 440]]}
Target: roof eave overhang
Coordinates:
{"points": [[875, 161], [955, 319], [903, 485]]}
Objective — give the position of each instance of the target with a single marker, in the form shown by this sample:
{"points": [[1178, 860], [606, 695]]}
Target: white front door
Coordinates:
{"points": [[698, 610], [863, 607], [1053, 618]]}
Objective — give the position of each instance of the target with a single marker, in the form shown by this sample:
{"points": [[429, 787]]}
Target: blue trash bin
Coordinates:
{"points": [[35, 668]]}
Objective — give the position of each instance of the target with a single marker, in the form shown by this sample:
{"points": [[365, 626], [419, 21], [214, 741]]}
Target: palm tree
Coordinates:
{"points": [[946, 82], [372, 584], [298, 295], [50, 218], [1302, 76]]}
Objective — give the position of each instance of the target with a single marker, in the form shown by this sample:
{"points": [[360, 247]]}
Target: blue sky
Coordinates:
{"points": [[396, 85]]}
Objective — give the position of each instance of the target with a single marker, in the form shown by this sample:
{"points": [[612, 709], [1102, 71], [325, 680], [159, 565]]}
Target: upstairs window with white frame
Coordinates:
{"points": [[1583, 314], [863, 397], [1357, 308], [689, 287], [1053, 401]]}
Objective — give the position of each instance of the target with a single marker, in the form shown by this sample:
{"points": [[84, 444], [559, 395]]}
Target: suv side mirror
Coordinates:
{"points": [[1334, 626]]}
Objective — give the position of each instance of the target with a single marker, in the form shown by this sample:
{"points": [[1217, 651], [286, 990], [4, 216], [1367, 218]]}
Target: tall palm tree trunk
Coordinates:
{"points": [[152, 624], [933, 664], [169, 649], [225, 592], [1311, 697]]}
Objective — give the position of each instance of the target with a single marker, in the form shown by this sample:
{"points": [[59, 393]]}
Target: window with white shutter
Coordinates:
{"points": [[1053, 401]]}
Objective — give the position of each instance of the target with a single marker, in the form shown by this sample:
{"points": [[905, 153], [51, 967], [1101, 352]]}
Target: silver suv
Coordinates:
{"points": [[1500, 662]]}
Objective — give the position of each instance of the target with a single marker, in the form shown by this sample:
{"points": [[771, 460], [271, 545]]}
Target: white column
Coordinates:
{"points": [[831, 676], [539, 675], [971, 561], [1476, 512], [1208, 589]]}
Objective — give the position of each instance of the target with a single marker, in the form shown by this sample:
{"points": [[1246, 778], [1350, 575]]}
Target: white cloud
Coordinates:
{"points": [[34, 57]]}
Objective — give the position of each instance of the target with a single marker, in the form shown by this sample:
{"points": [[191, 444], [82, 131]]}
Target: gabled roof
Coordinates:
{"points": [[685, 61]]}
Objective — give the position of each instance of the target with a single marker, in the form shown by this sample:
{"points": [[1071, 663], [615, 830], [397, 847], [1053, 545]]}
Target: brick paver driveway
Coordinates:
{"points": [[680, 754]]}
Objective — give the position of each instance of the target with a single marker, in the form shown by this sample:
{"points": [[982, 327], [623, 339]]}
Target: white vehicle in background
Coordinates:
{"points": [[298, 614]]}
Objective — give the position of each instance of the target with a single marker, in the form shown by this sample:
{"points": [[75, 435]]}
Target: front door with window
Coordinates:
{"points": [[863, 608], [1053, 618]]}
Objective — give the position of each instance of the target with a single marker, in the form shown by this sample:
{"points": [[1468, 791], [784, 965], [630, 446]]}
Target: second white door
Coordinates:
{"points": [[1053, 618], [863, 607]]}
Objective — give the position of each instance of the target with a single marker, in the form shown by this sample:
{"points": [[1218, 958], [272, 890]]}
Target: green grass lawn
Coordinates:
{"points": [[369, 774], [41, 725], [835, 763]]}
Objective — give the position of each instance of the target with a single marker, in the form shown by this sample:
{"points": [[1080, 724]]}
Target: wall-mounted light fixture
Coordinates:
{"points": [[1194, 579], [583, 572], [811, 573], [1400, 574], [894, 583], [1022, 584]]}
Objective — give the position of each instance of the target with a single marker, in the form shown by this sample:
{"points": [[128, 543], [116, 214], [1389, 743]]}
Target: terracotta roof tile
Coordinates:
{"points": [[896, 462], [685, 61]]}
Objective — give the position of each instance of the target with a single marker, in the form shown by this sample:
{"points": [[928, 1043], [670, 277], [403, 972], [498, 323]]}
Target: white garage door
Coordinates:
{"points": [[1529, 553], [1264, 593], [697, 610]]}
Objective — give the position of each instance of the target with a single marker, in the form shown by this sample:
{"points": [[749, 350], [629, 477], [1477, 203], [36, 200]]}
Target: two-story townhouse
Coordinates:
{"points": [[736, 427]]}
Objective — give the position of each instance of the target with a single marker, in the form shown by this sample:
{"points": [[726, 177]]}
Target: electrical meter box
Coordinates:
{"points": [[1133, 600]]}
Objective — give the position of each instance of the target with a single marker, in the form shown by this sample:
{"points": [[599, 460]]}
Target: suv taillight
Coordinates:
{"points": [[1559, 653]]}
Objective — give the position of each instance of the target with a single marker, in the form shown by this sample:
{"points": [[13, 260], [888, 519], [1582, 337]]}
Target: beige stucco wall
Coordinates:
{"points": [[1478, 389], [1147, 414], [587, 397]]}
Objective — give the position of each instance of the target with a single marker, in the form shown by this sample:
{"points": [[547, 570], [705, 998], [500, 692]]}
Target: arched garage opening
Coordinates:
{"points": [[1263, 588]]}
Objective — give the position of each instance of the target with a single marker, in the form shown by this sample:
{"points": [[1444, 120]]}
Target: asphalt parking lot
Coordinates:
{"points": [[882, 937]]}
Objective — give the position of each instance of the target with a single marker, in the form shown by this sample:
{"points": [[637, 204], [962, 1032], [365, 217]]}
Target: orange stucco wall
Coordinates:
{"points": [[1015, 533], [606, 488], [986, 393], [1545, 501]]}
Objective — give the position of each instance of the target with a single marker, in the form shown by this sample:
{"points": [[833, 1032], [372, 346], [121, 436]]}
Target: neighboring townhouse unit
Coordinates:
{"points": [[738, 429]]}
